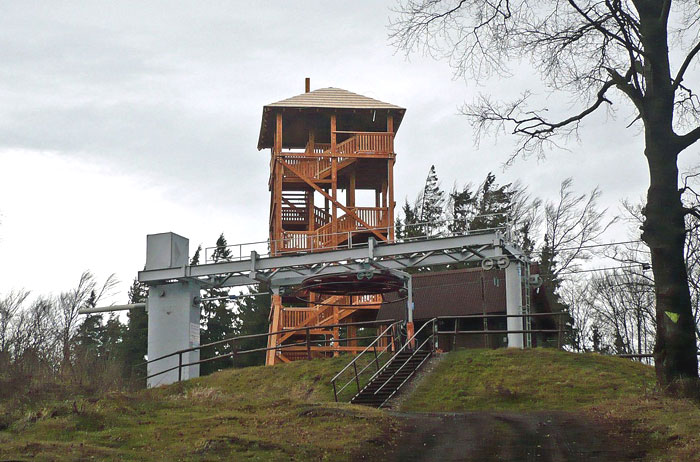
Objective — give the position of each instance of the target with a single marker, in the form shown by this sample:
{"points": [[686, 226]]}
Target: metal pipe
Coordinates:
{"points": [[106, 309], [229, 297]]}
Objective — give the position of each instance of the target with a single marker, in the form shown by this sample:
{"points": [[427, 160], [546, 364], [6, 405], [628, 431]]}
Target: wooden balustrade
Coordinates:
{"points": [[321, 217]]}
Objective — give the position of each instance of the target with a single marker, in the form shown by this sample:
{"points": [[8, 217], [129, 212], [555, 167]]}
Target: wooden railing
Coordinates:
{"points": [[321, 217], [294, 240], [367, 143], [293, 214], [324, 237], [358, 143], [375, 217]]}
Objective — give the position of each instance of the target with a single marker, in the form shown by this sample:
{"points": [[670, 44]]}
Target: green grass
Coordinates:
{"points": [[284, 412], [604, 388], [527, 380], [287, 412]]}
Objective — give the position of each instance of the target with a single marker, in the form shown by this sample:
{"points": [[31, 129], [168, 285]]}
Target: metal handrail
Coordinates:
{"points": [[406, 344], [270, 244], [354, 361], [432, 336], [306, 329]]}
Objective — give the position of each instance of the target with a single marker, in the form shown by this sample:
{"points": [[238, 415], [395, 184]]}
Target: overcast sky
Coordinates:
{"points": [[120, 119]]}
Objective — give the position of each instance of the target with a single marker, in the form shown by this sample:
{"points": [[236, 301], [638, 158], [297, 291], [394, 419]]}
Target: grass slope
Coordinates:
{"points": [[526, 380], [287, 412], [259, 413], [618, 391]]}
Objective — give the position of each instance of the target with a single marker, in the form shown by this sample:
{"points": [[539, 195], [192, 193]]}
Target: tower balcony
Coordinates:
{"points": [[348, 231]]}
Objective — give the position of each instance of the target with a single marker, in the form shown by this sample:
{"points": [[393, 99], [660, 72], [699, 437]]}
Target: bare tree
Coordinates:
{"points": [[10, 308], [573, 224], [575, 294], [70, 302], [596, 51], [623, 305]]}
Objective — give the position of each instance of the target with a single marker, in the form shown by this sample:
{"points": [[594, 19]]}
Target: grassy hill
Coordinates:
{"points": [[618, 392], [284, 412], [287, 412]]}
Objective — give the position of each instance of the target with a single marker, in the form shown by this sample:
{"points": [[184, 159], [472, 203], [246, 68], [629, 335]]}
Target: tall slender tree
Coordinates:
{"points": [[217, 317], [431, 211], [135, 343]]}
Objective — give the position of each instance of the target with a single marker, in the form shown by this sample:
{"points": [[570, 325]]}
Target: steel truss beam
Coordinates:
{"points": [[287, 270]]}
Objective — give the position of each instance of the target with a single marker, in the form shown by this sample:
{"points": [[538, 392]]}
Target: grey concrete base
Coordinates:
{"points": [[173, 324]]}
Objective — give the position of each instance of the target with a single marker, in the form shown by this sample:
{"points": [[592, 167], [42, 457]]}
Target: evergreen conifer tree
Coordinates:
{"points": [[494, 203], [217, 318], [135, 343], [195, 258], [87, 336], [410, 221], [252, 317], [432, 203], [461, 207]]}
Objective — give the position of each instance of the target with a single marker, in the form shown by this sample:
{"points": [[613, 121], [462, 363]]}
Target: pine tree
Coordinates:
{"points": [[461, 207], [217, 319], [88, 335], [252, 317], [411, 226], [111, 340], [432, 203], [494, 204], [195, 258], [134, 346]]}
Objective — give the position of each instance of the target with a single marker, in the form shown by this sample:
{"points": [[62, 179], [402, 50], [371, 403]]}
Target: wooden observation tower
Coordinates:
{"points": [[331, 184]]}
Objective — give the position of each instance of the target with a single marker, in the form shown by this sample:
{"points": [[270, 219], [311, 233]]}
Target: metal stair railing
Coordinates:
{"points": [[402, 366], [394, 327], [432, 322]]}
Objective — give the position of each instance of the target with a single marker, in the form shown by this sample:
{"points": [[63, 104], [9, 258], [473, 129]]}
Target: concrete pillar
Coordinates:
{"points": [[173, 315], [514, 302], [173, 324]]}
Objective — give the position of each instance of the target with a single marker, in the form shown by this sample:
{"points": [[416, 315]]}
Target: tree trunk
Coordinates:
{"points": [[664, 231]]}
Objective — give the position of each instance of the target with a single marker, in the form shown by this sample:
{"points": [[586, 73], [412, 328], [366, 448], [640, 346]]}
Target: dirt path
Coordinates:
{"points": [[511, 437]]}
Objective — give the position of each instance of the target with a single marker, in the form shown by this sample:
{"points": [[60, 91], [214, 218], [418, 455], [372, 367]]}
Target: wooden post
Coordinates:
{"points": [[278, 182], [334, 196], [392, 204], [274, 327], [390, 178], [333, 134], [350, 198], [352, 333], [390, 129], [308, 344], [384, 191], [336, 332], [334, 179], [312, 211]]}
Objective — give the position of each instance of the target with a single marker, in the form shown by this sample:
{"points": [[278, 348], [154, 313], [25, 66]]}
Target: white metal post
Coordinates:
{"points": [[514, 302]]}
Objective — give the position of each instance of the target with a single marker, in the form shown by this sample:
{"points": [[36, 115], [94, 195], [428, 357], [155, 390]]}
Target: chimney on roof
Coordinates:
{"points": [[307, 84]]}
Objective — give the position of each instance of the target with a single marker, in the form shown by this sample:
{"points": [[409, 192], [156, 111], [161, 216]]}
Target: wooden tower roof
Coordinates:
{"points": [[324, 101]]}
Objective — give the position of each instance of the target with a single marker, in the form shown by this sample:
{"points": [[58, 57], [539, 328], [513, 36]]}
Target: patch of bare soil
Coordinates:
{"points": [[512, 437]]}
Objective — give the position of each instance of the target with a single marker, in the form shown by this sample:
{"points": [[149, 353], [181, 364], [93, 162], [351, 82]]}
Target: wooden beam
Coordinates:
{"points": [[390, 178], [312, 211], [350, 192], [273, 340], [334, 195], [277, 194], [327, 196], [333, 134], [392, 204]]}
